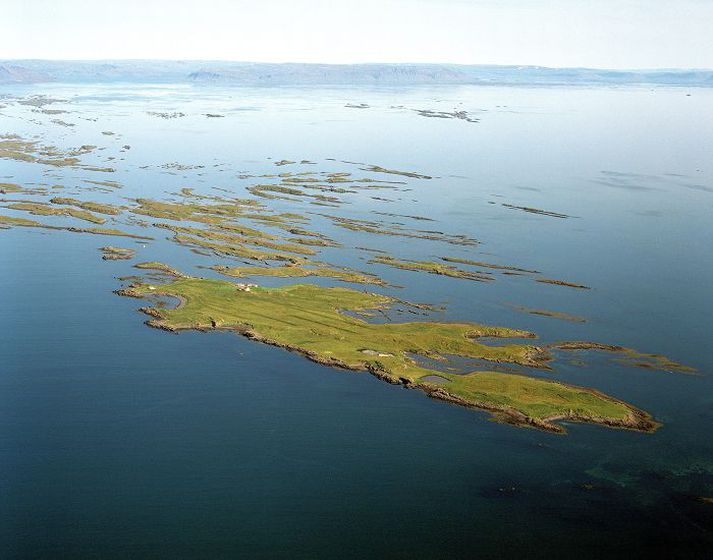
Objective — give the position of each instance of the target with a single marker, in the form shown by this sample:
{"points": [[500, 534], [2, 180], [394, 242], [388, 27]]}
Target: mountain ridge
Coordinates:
{"points": [[279, 74]]}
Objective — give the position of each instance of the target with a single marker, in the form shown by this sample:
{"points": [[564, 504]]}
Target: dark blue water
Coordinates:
{"points": [[120, 441]]}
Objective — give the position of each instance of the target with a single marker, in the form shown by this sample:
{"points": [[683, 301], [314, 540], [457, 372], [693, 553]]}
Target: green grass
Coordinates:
{"points": [[117, 253], [221, 232], [210, 214], [160, 267], [23, 222], [482, 264], [7, 188], [111, 184], [266, 191], [294, 271], [14, 147], [106, 231], [309, 319], [239, 240], [86, 205], [628, 356], [380, 228], [236, 250], [432, 268], [188, 192], [41, 209]]}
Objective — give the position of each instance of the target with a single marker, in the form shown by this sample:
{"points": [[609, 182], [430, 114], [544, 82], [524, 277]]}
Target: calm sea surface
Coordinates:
{"points": [[120, 441]]}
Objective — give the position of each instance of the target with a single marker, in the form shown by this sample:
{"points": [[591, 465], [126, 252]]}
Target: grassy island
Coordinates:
{"points": [[296, 271], [117, 253], [431, 267], [41, 209], [11, 221], [87, 205], [308, 319]]}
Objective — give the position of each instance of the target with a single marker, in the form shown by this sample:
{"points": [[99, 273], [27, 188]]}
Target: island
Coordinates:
{"points": [[320, 323]]}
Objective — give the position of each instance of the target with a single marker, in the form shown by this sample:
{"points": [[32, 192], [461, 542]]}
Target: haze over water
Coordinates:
{"points": [[120, 441]]}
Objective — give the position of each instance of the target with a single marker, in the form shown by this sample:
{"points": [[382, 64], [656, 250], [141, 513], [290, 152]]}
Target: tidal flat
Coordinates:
{"points": [[302, 228]]}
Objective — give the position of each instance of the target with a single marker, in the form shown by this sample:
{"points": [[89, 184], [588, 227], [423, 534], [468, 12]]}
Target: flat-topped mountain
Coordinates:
{"points": [[248, 73]]}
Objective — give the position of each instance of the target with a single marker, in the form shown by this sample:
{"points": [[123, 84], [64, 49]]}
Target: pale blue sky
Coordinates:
{"points": [[592, 33]]}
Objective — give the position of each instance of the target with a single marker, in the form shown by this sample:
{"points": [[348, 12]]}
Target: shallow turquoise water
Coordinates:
{"points": [[119, 441]]}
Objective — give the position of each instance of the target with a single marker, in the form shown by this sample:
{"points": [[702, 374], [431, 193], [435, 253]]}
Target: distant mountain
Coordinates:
{"points": [[100, 71], [247, 73], [13, 73], [297, 74]]}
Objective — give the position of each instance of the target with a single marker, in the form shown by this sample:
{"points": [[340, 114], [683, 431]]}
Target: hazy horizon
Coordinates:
{"points": [[363, 63], [615, 35]]}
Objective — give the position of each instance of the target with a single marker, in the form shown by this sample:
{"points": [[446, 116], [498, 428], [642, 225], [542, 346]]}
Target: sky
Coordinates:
{"points": [[557, 33]]}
